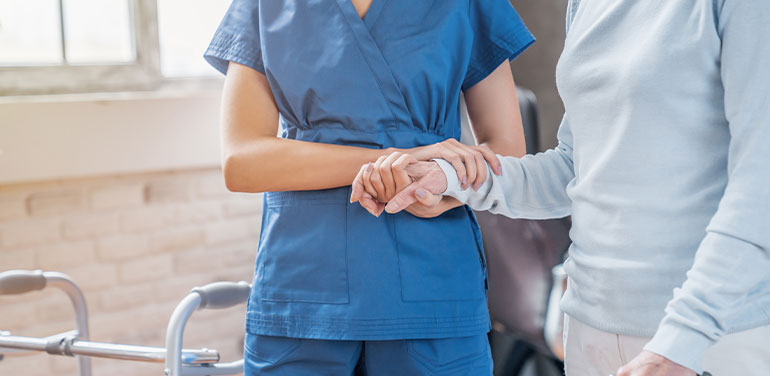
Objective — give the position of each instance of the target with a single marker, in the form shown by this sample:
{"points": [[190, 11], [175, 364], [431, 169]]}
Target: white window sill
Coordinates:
{"points": [[169, 88], [59, 136]]}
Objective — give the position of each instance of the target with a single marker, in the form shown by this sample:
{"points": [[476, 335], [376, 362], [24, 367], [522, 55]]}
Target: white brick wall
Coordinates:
{"points": [[136, 244]]}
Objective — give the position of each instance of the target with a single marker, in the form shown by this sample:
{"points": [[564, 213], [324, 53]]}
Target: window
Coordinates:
{"points": [[186, 28], [56, 46]]}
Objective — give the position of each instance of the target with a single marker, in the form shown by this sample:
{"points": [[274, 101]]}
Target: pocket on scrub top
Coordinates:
{"points": [[440, 259], [302, 254]]}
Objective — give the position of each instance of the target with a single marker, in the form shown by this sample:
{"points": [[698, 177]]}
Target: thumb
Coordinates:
{"points": [[426, 198], [403, 199], [356, 192]]}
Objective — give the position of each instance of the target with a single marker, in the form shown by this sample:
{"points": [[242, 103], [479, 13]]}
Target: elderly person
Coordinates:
{"points": [[663, 164]]}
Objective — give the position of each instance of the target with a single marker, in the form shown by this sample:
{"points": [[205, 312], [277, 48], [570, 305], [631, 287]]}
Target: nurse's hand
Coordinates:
{"points": [[384, 178], [469, 161], [396, 173], [376, 183]]}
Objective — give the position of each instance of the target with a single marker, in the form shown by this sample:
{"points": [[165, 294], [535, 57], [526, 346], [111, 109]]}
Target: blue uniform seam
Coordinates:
{"points": [[413, 320]]}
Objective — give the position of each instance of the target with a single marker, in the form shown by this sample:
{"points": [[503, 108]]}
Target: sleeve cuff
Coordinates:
{"points": [[226, 48], [453, 186], [680, 344]]}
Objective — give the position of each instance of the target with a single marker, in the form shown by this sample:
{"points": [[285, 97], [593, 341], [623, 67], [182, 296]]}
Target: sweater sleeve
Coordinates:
{"points": [[530, 187], [734, 257]]}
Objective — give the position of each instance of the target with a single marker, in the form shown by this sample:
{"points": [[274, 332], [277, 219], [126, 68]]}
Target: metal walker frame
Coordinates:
{"points": [[76, 343]]}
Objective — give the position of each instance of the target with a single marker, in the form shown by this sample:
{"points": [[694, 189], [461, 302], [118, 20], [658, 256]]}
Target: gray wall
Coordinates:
{"points": [[535, 68]]}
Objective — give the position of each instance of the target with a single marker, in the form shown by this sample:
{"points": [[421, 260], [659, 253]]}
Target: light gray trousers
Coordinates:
{"points": [[593, 352]]}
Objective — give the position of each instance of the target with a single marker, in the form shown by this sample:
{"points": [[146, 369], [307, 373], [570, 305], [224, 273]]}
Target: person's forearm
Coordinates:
{"points": [[531, 187], [726, 269], [275, 164]]}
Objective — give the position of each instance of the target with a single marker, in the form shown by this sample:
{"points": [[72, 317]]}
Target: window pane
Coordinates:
{"points": [[98, 31], [29, 32], [185, 28]]}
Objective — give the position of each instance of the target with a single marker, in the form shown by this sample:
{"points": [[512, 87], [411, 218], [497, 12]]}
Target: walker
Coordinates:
{"points": [[76, 343]]}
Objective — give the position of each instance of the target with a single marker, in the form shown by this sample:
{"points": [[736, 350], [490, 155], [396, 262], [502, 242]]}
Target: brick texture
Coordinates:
{"points": [[64, 254], [136, 245], [55, 202], [147, 218], [123, 195], [12, 206], [89, 225]]}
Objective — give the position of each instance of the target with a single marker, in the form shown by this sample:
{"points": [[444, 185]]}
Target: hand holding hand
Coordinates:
{"points": [[393, 177], [430, 182], [376, 183], [469, 161], [651, 364]]}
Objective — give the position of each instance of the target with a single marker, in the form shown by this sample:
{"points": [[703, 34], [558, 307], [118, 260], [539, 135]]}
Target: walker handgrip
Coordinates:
{"points": [[20, 281], [220, 295]]}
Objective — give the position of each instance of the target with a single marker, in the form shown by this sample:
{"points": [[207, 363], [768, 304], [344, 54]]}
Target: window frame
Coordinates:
{"points": [[143, 73]]}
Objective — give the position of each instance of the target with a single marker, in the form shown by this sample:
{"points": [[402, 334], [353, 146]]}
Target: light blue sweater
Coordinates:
{"points": [[664, 164]]}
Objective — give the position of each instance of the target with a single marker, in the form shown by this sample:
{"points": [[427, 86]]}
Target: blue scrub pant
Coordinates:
{"points": [[267, 355]]}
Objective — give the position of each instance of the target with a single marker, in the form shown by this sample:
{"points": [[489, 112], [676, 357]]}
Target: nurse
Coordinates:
{"points": [[343, 83]]}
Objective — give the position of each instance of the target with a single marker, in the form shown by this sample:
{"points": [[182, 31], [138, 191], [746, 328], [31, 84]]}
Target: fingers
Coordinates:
{"points": [[448, 153], [481, 168], [366, 180], [426, 198], [469, 161], [376, 181], [415, 192], [371, 205], [399, 170], [447, 150], [491, 159], [474, 161], [402, 199], [386, 175], [357, 190]]}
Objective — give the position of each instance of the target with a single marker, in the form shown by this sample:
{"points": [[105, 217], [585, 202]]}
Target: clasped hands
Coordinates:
{"points": [[409, 180]]}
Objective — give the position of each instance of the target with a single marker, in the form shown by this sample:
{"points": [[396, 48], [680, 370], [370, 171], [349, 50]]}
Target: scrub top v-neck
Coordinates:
{"points": [[325, 268]]}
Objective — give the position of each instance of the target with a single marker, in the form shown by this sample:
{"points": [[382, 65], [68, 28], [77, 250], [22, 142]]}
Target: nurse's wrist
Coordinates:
{"points": [[421, 153]]}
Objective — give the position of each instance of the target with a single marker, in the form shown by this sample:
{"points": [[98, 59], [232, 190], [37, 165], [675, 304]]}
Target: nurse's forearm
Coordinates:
{"points": [[255, 160], [493, 108], [275, 164]]}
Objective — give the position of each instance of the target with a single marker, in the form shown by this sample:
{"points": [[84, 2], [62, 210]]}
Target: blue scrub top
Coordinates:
{"points": [[326, 269]]}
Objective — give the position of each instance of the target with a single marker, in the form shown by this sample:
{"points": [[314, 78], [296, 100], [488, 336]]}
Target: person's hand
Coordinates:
{"points": [[468, 161], [377, 183], [399, 170], [651, 364], [385, 177], [429, 182]]}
